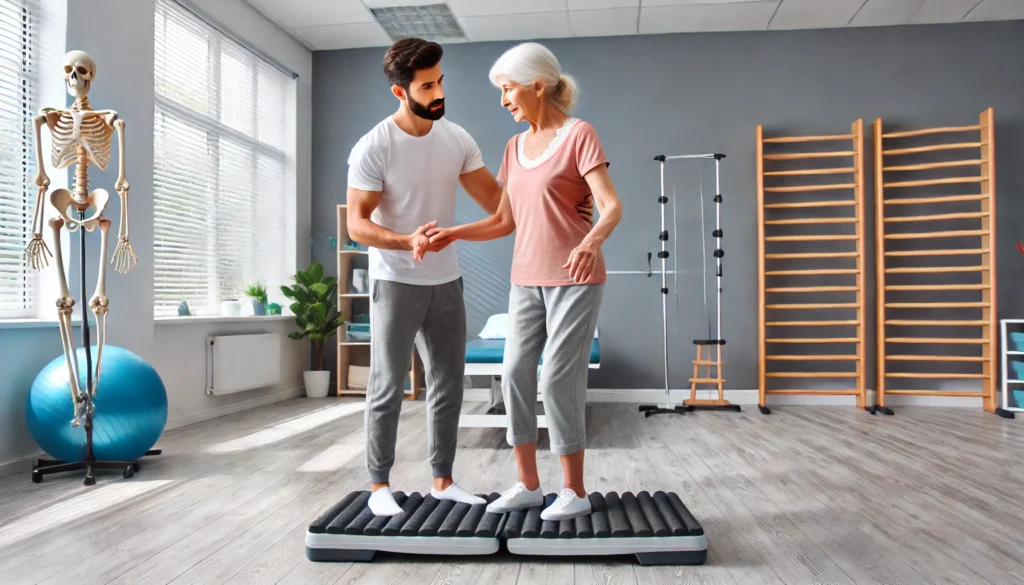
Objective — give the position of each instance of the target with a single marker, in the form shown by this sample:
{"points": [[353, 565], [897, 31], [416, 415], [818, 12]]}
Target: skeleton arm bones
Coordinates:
{"points": [[124, 257], [37, 250]]}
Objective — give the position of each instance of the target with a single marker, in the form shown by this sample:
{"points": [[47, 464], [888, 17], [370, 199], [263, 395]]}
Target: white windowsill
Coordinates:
{"points": [[36, 323], [176, 320]]}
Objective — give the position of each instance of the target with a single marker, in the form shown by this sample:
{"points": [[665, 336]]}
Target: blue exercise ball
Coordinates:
{"points": [[129, 408]]}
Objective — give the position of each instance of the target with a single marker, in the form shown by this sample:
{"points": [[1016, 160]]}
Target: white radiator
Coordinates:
{"points": [[236, 363]]}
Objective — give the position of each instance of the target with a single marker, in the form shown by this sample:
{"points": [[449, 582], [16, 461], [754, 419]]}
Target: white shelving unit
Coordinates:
{"points": [[1010, 381]]}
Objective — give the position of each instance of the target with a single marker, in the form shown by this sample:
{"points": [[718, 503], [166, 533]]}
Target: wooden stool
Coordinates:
{"points": [[711, 362]]}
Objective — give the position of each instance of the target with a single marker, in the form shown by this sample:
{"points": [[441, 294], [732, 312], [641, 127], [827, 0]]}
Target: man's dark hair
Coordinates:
{"points": [[407, 56]]}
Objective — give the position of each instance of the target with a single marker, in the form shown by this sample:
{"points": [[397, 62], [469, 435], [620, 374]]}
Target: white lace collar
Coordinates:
{"points": [[560, 134]]}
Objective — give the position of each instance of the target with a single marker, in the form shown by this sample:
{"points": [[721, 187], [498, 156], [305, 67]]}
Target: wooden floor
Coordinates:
{"points": [[806, 495]]}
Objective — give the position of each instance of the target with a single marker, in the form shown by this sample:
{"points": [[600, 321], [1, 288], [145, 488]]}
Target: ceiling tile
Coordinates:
{"points": [[886, 12], [648, 3], [293, 13], [793, 14], [344, 36], [997, 10], [601, 4], [598, 23], [498, 7], [706, 17], [935, 11], [516, 26]]}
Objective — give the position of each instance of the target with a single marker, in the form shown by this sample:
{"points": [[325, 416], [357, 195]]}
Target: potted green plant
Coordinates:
{"points": [[316, 313], [258, 293]]}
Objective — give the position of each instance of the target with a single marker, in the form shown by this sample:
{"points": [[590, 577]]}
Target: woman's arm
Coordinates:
{"points": [[492, 227], [581, 259]]}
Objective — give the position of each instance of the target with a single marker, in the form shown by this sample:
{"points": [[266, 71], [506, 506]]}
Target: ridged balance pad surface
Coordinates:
{"points": [[657, 528]]}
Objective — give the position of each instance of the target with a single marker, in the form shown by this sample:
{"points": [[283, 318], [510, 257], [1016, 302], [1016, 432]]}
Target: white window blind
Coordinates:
{"points": [[19, 48], [223, 167]]}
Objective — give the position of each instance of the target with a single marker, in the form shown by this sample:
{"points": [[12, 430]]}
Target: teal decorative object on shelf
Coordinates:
{"points": [[183, 310], [273, 309], [1017, 337], [1018, 396]]}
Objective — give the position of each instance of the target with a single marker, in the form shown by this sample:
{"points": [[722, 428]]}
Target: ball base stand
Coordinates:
{"points": [[49, 467], [1005, 413], [880, 409]]}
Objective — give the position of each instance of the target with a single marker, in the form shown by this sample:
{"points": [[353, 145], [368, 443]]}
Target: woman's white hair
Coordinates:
{"points": [[527, 63]]}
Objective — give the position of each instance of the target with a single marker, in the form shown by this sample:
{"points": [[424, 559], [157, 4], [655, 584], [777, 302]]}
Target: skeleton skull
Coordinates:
{"points": [[79, 71]]}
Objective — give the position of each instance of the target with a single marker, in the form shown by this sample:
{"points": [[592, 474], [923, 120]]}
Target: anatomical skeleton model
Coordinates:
{"points": [[80, 135]]}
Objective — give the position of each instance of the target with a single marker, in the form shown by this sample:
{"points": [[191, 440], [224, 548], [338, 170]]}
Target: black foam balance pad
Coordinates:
{"points": [[657, 528], [349, 531]]}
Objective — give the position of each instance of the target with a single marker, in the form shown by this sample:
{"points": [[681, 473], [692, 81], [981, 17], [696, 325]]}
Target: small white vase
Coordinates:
{"points": [[318, 383]]}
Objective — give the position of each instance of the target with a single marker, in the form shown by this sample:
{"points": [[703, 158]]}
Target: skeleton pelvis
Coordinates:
{"points": [[64, 201]]}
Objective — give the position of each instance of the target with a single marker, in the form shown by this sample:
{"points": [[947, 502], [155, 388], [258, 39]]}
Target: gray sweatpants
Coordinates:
{"points": [[558, 321], [435, 317]]}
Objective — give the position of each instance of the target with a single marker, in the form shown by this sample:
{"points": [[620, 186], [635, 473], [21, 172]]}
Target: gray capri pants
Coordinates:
{"points": [[560, 322]]}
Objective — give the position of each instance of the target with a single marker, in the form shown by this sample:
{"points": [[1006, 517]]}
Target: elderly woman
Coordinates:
{"points": [[558, 271]]}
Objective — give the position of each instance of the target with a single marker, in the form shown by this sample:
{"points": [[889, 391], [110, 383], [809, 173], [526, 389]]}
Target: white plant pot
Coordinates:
{"points": [[318, 383]]}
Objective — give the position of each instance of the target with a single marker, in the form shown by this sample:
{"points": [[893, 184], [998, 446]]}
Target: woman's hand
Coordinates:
{"points": [[433, 240], [581, 260]]}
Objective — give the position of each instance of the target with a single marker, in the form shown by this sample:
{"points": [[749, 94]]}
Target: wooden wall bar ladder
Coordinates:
{"points": [[811, 246], [935, 229]]}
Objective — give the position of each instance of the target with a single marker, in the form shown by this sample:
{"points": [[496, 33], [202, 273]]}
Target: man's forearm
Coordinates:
{"points": [[370, 234]]}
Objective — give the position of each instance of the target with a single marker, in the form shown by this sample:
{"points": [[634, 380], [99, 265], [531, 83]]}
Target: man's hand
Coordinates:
{"points": [[581, 260], [586, 209], [430, 240]]}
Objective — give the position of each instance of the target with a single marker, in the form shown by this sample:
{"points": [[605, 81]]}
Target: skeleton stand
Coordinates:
{"points": [[47, 466], [692, 403]]}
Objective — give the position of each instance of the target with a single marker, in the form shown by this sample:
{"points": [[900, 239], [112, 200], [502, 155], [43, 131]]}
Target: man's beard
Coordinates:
{"points": [[426, 111]]}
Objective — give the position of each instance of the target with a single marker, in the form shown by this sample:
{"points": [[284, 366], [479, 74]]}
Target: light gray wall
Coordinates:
{"points": [[125, 83], [674, 94]]}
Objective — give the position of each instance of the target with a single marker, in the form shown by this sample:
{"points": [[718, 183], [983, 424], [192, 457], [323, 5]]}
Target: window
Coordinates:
{"points": [[224, 168], [19, 96]]}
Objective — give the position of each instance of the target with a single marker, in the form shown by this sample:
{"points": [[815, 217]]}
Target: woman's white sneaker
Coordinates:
{"points": [[568, 505], [517, 498]]}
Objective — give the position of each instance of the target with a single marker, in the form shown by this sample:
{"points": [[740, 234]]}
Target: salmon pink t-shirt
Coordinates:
{"points": [[544, 193]]}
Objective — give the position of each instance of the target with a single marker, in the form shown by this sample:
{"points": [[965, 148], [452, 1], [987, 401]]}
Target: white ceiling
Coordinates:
{"points": [[344, 24]]}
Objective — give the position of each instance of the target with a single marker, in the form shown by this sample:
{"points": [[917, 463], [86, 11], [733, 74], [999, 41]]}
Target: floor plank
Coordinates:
{"points": [[805, 495]]}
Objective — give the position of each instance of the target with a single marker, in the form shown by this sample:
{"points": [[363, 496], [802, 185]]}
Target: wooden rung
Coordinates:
{"points": [[809, 238], [706, 380], [814, 340], [926, 340], [812, 255], [940, 217], [814, 358], [936, 358], [969, 305], [696, 402], [816, 306], [810, 204], [822, 138], [705, 363], [931, 253], [812, 375], [811, 220], [938, 287], [811, 272], [932, 148], [927, 182], [803, 289], [815, 392], [936, 393], [931, 166], [798, 189], [805, 172], [942, 199], [949, 234], [924, 131], [809, 323], [800, 155], [936, 270], [940, 376], [951, 323]]}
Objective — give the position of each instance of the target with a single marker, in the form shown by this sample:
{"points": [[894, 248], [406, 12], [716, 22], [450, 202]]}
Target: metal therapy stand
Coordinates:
{"points": [[692, 403]]}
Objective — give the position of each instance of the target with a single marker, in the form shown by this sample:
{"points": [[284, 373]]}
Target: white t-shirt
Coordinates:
{"points": [[418, 177]]}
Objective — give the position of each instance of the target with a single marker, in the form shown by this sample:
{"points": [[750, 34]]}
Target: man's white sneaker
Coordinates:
{"points": [[567, 505], [517, 498]]}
